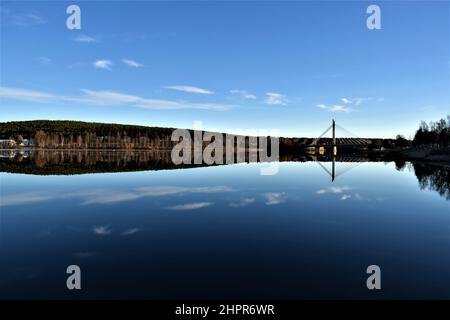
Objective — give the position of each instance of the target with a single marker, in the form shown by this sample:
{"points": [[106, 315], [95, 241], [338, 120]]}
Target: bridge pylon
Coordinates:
{"points": [[333, 125], [323, 147]]}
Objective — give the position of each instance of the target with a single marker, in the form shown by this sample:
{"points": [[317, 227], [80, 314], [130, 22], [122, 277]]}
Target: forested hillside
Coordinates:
{"points": [[78, 134]]}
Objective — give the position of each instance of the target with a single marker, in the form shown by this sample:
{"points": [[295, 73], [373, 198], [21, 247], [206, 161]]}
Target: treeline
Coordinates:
{"points": [[86, 135], [61, 134], [78, 134], [89, 135], [435, 134]]}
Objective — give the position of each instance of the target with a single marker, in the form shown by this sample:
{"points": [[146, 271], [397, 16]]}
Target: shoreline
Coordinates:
{"points": [[436, 156]]}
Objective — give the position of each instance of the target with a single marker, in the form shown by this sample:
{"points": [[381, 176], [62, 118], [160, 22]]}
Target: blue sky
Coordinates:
{"points": [[289, 65]]}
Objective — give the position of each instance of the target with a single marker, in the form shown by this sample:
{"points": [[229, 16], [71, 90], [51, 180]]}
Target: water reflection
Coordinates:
{"points": [[111, 196], [219, 232], [434, 178], [82, 161], [65, 162]]}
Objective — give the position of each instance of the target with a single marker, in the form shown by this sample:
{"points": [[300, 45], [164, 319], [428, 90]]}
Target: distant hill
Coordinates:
{"points": [[28, 128], [80, 134]]}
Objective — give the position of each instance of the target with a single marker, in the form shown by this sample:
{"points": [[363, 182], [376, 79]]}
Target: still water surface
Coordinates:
{"points": [[227, 232]]}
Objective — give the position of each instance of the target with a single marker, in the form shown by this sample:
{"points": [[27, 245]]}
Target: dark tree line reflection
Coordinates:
{"points": [[73, 161], [430, 176], [435, 178], [66, 162], [57, 162]]}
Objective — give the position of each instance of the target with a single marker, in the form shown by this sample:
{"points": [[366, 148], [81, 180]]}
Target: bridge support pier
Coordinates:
{"points": [[321, 150]]}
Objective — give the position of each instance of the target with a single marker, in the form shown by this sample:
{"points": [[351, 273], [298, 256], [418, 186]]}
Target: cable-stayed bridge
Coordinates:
{"points": [[349, 140]]}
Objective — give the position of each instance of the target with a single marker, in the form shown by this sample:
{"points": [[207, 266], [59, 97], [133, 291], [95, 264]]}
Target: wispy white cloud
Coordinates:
{"points": [[242, 203], [346, 100], [333, 190], [359, 101], [344, 194], [159, 191], [22, 19], [90, 197], [105, 97], [85, 38], [243, 94], [273, 198], [30, 95], [110, 98], [355, 101], [21, 198], [132, 63], [335, 108], [190, 89], [274, 98], [191, 206], [130, 231], [44, 60], [103, 64], [117, 98], [102, 230], [360, 197], [109, 197], [168, 104]]}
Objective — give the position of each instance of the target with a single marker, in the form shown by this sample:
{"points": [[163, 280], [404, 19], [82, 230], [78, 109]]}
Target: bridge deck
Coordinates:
{"points": [[339, 145]]}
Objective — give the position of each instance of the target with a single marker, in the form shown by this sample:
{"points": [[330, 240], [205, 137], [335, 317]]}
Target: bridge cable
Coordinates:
{"points": [[347, 169], [352, 134], [324, 168], [317, 139]]}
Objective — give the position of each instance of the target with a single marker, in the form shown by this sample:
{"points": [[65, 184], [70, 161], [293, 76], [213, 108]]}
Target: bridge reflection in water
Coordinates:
{"points": [[323, 145], [351, 160]]}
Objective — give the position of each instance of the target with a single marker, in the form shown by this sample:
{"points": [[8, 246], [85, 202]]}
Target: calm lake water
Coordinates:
{"points": [[224, 231]]}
